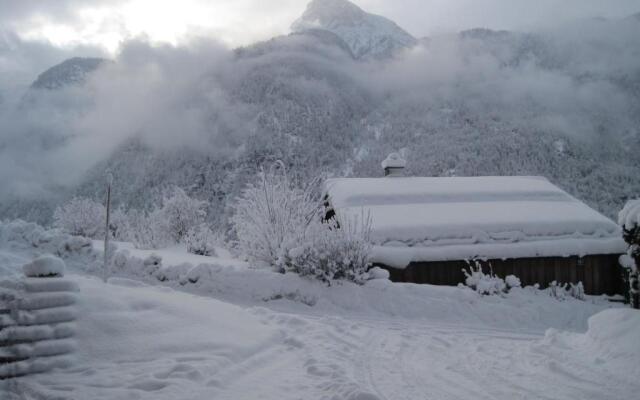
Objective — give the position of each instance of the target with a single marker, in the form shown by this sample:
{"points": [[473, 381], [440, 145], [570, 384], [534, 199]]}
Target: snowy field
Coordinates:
{"points": [[188, 327]]}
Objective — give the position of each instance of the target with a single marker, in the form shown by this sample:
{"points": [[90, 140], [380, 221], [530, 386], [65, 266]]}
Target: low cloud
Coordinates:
{"points": [[169, 97], [576, 81]]}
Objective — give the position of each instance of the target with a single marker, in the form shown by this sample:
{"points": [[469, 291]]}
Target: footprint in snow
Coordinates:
{"points": [[149, 385], [180, 371]]}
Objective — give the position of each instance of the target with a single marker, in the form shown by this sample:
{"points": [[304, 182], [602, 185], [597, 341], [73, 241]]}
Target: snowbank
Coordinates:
{"points": [[136, 341], [21, 241], [610, 341], [175, 320], [522, 308]]}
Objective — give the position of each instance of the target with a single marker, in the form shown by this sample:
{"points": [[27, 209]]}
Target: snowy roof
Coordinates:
{"points": [[437, 219]]}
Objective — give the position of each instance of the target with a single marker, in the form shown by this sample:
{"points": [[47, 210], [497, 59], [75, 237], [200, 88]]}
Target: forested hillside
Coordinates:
{"points": [[563, 103]]}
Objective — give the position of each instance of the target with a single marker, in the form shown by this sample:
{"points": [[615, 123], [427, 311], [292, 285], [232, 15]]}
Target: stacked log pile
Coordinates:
{"points": [[37, 315]]}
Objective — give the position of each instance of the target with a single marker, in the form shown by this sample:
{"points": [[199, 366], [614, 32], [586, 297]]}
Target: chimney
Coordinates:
{"points": [[394, 165]]}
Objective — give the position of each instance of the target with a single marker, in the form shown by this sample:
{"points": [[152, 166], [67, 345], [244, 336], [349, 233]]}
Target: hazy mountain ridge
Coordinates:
{"points": [[73, 71], [482, 103]]}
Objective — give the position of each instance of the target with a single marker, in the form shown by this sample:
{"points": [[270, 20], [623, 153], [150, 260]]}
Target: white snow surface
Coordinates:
{"points": [[435, 219], [43, 266], [367, 35], [620, 326], [183, 331]]}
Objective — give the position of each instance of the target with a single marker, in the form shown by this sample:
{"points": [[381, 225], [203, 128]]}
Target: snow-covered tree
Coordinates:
{"points": [[181, 213], [119, 224], [201, 240], [166, 224], [81, 217], [629, 220], [280, 225], [271, 215], [148, 230]]}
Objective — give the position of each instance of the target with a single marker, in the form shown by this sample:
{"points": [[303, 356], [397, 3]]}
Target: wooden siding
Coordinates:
{"points": [[600, 274]]}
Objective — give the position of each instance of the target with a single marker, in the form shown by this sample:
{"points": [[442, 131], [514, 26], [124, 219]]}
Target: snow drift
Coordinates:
{"points": [[610, 341]]}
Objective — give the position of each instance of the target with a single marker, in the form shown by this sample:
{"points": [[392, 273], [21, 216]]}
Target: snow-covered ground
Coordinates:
{"points": [[189, 328]]}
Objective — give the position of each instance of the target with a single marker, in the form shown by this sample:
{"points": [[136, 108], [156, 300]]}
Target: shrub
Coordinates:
{"points": [[201, 240], [181, 213], [512, 281], [148, 230], [280, 225], [271, 216], [165, 225], [487, 284], [334, 252], [562, 291], [119, 224], [81, 217]]}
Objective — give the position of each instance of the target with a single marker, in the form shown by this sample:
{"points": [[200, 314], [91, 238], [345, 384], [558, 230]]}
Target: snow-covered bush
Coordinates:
{"points": [[201, 240], [165, 225], [81, 217], [490, 284], [181, 213], [30, 238], [562, 291], [629, 220], [148, 230], [271, 216], [577, 291], [280, 225], [482, 283], [119, 225], [512, 281], [331, 251], [159, 228]]}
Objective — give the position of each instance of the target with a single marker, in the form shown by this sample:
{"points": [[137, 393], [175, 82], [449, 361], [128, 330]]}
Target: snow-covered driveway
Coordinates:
{"points": [[140, 342], [377, 359]]}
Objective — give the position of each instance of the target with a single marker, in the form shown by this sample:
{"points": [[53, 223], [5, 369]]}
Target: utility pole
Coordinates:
{"points": [[106, 230]]}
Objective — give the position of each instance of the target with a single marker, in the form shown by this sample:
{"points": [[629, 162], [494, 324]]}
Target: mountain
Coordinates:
{"points": [[367, 35], [73, 71], [480, 102], [513, 48]]}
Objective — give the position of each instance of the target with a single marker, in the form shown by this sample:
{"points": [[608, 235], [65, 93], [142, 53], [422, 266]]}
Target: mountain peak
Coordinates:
{"points": [[367, 35], [73, 71], [334, 10]]}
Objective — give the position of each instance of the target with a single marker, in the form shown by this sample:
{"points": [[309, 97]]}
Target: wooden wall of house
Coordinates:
{"points": [[600, 274]]}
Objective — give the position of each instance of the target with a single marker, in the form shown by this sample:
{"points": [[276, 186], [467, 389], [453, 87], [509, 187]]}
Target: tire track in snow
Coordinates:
{"points": [[447, 364]]}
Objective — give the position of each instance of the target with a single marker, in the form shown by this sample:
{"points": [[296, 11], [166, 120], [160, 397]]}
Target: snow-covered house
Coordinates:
{"points": [[425, 229]]}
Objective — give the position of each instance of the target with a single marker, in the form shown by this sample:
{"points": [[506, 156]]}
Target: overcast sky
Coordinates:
{"points": [[106, 23]]}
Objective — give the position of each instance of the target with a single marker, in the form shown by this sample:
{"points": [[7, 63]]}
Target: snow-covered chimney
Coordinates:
{"points": [[394, 165]]}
